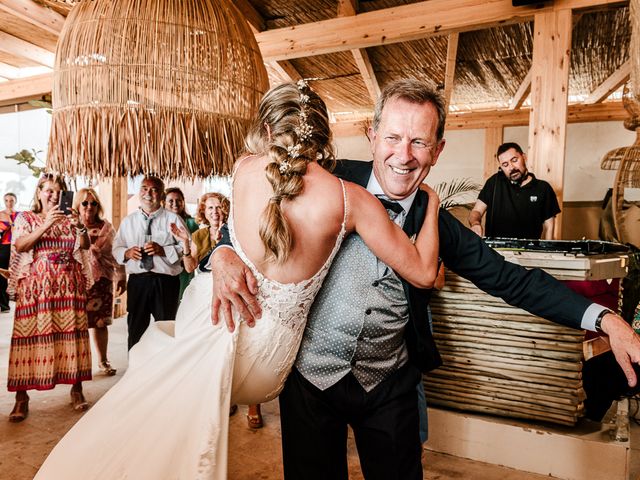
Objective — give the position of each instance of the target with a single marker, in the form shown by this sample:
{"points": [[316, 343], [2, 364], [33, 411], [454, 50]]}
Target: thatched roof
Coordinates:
{"points": [[491, 63]]}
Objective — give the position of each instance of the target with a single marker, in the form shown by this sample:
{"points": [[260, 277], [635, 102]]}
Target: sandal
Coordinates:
{"points": [[78, 401], [254, 421], [20, 411], [106, 368]]}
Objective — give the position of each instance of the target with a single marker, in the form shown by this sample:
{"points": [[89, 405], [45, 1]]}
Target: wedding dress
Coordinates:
{"points": [[168, 417]]}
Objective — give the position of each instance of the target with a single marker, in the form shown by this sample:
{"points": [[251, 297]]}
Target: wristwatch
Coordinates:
{"points": [[598, 324]]}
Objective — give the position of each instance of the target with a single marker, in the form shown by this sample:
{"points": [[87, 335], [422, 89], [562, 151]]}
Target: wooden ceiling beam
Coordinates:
{"points": [[611, 84], [35, 14], [450, 68], [286, 69], [401, 24], [251, 15], [367, 73], [522, 93], [35, 86], [19, 48], [9, 71], [349, 8], [257, 24], [599, 112]]}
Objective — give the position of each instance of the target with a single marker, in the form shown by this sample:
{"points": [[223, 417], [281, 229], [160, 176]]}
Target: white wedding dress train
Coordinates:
{"points": [[168, 417]]}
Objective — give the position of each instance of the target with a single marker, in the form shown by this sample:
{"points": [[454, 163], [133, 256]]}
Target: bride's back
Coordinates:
{"points": [[288, 210], [314, 218]]}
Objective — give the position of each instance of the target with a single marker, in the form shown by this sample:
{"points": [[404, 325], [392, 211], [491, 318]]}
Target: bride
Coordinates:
{"points": [[167, 418]]}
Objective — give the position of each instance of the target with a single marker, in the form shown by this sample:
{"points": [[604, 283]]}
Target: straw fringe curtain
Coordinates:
{"points": [[153, 86]]}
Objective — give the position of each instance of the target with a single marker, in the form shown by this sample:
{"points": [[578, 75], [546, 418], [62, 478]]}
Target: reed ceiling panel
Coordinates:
{"points": [[287, 13], [422, 59], [343, 94], [372, 5], [599, 46], [492, 63]]}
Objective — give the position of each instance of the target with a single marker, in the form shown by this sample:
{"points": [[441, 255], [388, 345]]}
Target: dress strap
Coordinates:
{"points": [[345, 208]]}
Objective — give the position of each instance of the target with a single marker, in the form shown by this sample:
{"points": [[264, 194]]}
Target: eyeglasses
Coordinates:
{"points": [[87, 203]]}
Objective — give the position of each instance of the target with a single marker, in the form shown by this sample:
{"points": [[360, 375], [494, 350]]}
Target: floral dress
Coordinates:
{"points": [[50, 340], [104, 269]]}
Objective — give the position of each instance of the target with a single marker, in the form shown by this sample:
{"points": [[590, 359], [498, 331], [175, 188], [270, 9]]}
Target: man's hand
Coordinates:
{"points": [[234, 286], [153, 248], [133, 253], [625, 344]]}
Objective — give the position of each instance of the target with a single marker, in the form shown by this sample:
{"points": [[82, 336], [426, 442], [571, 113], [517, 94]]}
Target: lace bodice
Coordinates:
{"points": [[288, 302]]}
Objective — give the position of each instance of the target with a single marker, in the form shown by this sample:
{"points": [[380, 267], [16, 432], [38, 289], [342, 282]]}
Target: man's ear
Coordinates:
{"points": [[371, 135], [438, 151]]}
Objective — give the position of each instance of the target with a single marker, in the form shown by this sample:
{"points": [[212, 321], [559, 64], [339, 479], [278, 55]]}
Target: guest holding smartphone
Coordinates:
{"points": [[50, 276]]}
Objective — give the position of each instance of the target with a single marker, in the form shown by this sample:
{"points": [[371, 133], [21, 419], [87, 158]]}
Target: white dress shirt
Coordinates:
{"points": [[132, 233]]}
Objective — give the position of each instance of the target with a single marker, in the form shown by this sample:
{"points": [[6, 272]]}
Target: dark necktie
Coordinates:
{"points": [[395, 207]]}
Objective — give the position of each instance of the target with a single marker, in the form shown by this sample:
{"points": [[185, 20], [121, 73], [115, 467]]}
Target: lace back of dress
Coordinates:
{"points": [[288, 301]]}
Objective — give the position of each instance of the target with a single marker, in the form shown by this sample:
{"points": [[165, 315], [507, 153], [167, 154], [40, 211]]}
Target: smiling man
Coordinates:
{"points": [[152, 258], [517, 204], [367, 336]]}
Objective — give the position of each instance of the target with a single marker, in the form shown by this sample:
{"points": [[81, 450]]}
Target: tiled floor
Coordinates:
{"points": [[253, 454]]}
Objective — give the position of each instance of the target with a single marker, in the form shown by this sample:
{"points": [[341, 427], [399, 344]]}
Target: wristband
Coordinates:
{"points": [[598, 324]]}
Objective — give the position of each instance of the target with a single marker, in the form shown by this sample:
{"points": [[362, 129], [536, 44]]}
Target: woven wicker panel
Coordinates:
{"points": [[153, 86], [371, 5]]}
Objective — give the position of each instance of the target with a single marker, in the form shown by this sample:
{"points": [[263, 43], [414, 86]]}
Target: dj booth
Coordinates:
{"points": [[510, 391]]}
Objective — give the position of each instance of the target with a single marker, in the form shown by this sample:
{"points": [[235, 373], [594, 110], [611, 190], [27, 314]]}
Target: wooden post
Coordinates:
{"points": [[113, 194], [549, 86], [492, 140]]}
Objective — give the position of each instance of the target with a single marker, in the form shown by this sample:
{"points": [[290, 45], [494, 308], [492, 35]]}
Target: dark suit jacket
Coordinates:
{"points": [[466, 254]]}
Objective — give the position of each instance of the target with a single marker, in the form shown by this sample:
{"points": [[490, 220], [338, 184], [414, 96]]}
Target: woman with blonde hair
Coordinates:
{"points": [[168, 416], [104, 270], [49, 275]]}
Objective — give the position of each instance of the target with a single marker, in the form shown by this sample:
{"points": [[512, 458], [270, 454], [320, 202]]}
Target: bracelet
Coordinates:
{"points": [[598, 324], [81, 231], [186, 254]]}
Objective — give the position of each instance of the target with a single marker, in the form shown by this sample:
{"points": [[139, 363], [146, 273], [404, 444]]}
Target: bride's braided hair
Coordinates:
{"points": [[292, 128]]}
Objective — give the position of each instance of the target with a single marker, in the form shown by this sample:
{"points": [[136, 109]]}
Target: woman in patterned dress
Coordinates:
{"points": [[104, 270], [49, 276]]}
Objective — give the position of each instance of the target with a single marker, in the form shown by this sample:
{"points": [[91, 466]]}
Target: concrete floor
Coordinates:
{"points": [[256, 454]]}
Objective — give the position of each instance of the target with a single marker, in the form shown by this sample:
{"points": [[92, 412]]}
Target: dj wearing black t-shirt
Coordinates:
{"points": [[517, 204]]}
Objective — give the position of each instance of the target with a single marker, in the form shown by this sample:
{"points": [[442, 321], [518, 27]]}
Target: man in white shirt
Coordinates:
{"points": [[152, 258]]}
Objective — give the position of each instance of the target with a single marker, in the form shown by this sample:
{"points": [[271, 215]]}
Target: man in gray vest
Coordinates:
{"points": [[367, 337]]}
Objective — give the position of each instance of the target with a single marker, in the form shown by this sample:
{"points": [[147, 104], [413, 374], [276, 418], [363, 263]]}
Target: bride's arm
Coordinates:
{"points": [[417, 264]]}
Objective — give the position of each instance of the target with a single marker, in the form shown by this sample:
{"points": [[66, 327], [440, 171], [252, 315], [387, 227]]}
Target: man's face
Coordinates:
{"points": [[150, 196], [513, 165], [405, 146]]}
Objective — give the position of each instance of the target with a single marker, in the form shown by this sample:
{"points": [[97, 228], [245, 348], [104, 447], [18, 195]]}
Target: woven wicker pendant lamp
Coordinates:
{"points": [[153, 86]]}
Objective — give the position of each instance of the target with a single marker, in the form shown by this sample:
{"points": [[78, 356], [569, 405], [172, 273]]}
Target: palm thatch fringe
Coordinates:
{"points": [[95, 142]]}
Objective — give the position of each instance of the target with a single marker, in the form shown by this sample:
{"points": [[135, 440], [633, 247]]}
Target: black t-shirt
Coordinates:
{"points": [[515, 211]]}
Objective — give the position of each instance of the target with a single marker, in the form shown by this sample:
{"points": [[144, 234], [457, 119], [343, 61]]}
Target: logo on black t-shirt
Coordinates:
{"points": [[533, 198]]}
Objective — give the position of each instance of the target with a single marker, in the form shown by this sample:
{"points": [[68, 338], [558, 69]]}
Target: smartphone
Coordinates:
{"points": [[66, 201]]}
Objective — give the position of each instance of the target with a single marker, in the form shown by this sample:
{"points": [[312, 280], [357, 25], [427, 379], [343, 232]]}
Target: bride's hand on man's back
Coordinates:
{"points": [[234, 288]]}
